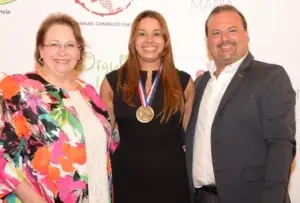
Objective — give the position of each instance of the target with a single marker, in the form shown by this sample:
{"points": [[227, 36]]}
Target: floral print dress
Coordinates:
{"points": [[42, 139]]}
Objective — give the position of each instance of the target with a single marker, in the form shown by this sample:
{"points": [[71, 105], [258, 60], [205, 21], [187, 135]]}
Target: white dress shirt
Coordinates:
{"points": [[203, 173]]}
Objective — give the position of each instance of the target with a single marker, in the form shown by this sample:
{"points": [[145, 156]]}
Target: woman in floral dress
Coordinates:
{"points": [[55, 140]]}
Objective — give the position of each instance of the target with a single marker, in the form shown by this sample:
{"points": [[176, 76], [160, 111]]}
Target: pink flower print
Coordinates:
{"points": [[20, 78], [68, 188], [57, 148], [33, 84], [34, 94], [33, 100], [6, 180], [89, 91]]}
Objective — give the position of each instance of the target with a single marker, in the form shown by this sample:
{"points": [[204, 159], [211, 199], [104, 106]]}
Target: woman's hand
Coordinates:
{"points": [[27, 194]]}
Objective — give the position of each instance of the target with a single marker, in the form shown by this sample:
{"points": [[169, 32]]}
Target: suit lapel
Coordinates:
{"points": [[235, 82], [200, 87]]}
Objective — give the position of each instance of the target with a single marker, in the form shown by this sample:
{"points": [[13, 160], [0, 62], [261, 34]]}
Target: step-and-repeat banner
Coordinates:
{"points": [[273, 28]]}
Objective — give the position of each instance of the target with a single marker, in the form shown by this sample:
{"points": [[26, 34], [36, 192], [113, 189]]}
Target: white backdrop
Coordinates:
{"points": [[273, 26]]}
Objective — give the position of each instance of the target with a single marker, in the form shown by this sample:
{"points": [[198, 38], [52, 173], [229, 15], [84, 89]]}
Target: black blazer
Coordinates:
{"points": [[252, 135]]}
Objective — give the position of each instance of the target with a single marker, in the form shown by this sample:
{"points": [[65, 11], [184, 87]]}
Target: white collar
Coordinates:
{"points": [[232, 68]]}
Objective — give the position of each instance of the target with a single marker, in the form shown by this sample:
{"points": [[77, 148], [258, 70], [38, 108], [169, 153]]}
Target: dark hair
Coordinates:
{"points": [[173, 97], [225, 8], [59, 19]]}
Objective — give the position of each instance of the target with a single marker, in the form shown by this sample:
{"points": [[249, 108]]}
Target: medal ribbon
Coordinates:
{"points": [[146, 99]]}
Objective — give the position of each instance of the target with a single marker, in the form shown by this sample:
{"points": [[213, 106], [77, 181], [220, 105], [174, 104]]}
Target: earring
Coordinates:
{"points": [[41, 60], [79, 61]]}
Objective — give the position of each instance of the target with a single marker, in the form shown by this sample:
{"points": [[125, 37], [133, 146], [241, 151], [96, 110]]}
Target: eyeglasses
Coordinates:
{"points": [[68, 47]]}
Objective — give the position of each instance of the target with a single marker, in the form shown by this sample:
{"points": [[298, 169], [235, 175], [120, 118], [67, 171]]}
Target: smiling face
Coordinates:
{"points": [[227, 40], [60, 51], [149, 41]]}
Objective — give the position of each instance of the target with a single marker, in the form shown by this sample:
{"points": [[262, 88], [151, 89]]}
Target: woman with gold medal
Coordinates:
{"points": [[150, 101]]}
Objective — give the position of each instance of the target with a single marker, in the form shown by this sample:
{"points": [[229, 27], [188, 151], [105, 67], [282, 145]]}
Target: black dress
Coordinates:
{"points": [[149, 164]]}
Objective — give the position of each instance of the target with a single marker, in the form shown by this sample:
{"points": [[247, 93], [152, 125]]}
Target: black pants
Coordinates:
{"points": [[206, 194]]}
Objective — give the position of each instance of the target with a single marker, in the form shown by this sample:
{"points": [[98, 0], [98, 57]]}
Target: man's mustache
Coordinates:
{"points": [[226, 43]]}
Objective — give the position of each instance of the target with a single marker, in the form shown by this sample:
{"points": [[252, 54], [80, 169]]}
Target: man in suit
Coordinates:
{"points": [[240, 140]]}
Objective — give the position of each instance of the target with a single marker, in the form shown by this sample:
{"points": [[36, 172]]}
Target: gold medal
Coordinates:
{"points": [[145, 114]]}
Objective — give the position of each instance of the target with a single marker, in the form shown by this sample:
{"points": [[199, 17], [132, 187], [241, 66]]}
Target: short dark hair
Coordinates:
{"points": [[225, 8]]}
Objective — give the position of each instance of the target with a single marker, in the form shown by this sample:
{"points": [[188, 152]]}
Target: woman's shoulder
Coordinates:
{"points": [[183, 74], [112, 74], [184, 78], [11, 85], [88, 88], [112, 78], [90, 92], [17, 78]]}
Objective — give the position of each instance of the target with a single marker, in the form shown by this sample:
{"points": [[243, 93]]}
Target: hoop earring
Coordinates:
{"points": [[41, 60]]}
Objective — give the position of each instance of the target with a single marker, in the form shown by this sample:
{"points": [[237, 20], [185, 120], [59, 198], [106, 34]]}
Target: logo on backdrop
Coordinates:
{"points": [[207, 4], [5, 11], [6, 1], [104, 7], [95, 68]]}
